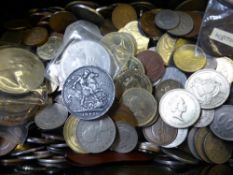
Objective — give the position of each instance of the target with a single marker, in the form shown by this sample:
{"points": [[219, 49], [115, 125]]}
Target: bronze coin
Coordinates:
{"points": [[160, 133], [148, 26], [107, 27], [197, 20], [36, 36], [60, 20], [217, 150], [199, 143], [120, 112], [153, 64], [123, 14], [165, 86]]}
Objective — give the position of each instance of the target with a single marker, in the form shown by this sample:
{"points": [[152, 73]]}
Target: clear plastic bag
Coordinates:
{"points": [[216, 35]]}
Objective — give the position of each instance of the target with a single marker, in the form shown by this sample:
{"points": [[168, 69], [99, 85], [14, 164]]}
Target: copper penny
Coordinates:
{"points": [[123, 14], [199, 142], [60, 20], [197, 20], [153, 64], [148, 26], [160, 133], [217, 150], [36, 36]]}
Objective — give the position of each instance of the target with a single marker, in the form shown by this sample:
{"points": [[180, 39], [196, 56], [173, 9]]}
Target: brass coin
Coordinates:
{"points": [[217, 150], [123, 14], [199, 143], [180, 42], [141, 103], [165, 47], [60, 20], [148, 26], [131, 79], [69, 133], [160, 133], [189, 58], [36, 36], [120, 112], [133, 29]]}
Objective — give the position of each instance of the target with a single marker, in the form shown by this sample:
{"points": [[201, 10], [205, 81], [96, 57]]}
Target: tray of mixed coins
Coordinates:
{"points": [[84, 85]]}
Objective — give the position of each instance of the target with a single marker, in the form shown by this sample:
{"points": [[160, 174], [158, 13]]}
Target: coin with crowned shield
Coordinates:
{"points": [[88, 92]]}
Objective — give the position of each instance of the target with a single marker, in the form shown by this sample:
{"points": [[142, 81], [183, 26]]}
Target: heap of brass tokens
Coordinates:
{"points": [[122, 77]]}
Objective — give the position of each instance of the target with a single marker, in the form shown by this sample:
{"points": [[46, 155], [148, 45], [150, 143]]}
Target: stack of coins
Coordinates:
{"points": [[122, 77]]}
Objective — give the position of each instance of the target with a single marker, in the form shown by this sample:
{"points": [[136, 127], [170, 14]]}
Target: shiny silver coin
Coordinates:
{"points": [[53, 160], [51, 117], [148, 146], [209, 87], [85, 12], [184, 27], [225, 67], [96, 136], [126, 138], [174, 74], [81, 29], [88, 92], [21, 70], [179, 108], [39, 141], [49, 50], [180, 138], [222, 125], [85, 53], [167, 19], [207, 116]]}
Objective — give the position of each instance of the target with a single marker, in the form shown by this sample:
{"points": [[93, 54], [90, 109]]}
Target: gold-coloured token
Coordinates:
{"points": [[165, 47], [132, 28], [180, 42], [69, 133], [141, 103], [189, 58]]}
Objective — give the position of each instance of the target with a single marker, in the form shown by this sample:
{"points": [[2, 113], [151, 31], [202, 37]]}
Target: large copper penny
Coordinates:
{"points": [[60, 20], [197, 20], [153, 64], [217, 150], [148, 26], [199, 142], [160, 133], [36, 36], [123, 14]]}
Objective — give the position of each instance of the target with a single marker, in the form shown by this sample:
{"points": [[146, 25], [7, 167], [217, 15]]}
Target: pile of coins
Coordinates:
{"points": [[135, 80]]}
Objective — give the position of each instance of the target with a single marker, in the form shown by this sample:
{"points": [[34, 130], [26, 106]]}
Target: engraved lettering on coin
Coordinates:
{"points": [[179, 108], [96, 136], [88, 92], [209, 87]]}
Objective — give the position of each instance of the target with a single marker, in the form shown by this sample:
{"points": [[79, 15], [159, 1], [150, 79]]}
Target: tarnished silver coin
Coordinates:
{"points": [[164, 86], [48, 50], [7, 142], [225, 67], [179, 108], [211, 63], [180, 138], [96, 136], [191, 143], [133, 64], [184, 27], [209, 87], [126, 138], [222, 125], [85, 53], [88, 92], [51, 117], [88, 13], [174, 74], [167, 19], [81, 29], [21, 70], [206, 117]]}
